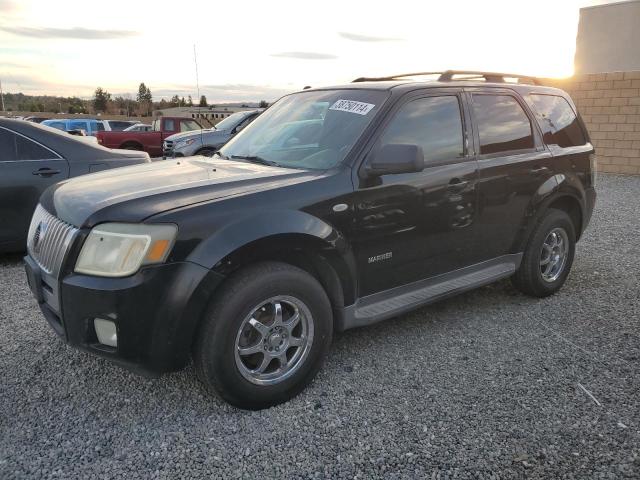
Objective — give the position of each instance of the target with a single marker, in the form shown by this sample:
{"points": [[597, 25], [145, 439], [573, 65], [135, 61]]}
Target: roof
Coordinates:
{"points": [[446, 78]]}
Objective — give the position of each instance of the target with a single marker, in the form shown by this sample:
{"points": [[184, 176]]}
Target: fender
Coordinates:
{"points": [[287, 229], [551, 190]]}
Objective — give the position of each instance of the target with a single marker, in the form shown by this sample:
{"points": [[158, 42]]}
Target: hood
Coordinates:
{"points": [[195, 133], [131, 194]]}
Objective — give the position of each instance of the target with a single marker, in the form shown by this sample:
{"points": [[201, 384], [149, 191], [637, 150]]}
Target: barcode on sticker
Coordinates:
{"points": [[360, 108]]}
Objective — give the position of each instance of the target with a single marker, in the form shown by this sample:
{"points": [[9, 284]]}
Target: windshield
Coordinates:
{"points": [[230, 121], [310, 130]]}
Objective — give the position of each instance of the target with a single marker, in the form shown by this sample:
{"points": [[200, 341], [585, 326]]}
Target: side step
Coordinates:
{"points": [[396, 301]]}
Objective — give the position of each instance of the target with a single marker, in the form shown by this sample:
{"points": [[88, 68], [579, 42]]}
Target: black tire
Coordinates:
{"points": [[207, 152], [529, 278], [214, 351]]}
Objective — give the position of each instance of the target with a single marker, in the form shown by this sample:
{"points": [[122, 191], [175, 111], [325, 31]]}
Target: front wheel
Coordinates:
{"points": [[548, 257], [265, 335]]}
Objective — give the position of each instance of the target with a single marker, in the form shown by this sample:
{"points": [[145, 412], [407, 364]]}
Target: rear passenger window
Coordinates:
{"points": [[502, 124], [15, 147], [433, 123], [557, 120], [28, 150], [7, 146], [169, 125]]}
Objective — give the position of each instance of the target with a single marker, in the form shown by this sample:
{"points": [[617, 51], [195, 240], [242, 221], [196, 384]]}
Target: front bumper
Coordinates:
{"points": [[156, 312]]}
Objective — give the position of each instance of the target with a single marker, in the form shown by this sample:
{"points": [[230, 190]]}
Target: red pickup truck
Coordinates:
{"points": [[151, 141]]}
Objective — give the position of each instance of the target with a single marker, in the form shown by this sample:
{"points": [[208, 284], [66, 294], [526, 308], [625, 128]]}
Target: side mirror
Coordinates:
{"points": [[396, 158], [239, 128]]}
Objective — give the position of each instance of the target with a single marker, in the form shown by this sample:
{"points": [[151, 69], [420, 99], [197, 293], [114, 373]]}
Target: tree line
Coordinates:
{"points": [[102, 102]]}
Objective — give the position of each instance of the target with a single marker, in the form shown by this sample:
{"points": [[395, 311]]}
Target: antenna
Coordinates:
{"points": [[1, 95], [195, 61]]}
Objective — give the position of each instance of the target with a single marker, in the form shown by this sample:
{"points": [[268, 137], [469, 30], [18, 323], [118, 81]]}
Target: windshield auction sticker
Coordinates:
{"points": [[351, 106]]}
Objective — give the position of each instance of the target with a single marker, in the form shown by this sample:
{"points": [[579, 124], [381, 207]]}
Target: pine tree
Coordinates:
{"points": [[203, 101], [101, 99], [190, 101]]}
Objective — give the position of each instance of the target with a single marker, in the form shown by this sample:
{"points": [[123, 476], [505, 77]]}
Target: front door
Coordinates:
{"points": [[26, 170], [417, 225]]}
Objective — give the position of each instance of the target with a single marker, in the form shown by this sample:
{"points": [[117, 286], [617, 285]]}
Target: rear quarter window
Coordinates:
{"points": [[557, 119]]}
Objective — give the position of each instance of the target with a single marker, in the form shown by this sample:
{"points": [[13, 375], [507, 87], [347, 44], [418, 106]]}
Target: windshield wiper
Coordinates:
{"points": [[256, 159]]}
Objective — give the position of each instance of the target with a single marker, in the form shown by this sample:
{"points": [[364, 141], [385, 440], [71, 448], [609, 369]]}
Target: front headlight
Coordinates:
{"points": [[120, 249], [185, 143]]}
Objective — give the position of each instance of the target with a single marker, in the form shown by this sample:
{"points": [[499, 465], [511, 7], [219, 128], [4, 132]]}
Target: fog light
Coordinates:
{"points": [[106, 332]]}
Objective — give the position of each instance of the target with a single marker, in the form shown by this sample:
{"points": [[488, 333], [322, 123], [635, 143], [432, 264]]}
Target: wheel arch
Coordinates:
{"points": [[556, 193], [134, 143], [288, 236]]}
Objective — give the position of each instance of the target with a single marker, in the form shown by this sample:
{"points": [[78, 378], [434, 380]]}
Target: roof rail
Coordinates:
{"points": [[447, 76]]}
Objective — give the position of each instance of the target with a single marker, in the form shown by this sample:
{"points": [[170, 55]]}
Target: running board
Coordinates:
{"points": [[390, 303]]}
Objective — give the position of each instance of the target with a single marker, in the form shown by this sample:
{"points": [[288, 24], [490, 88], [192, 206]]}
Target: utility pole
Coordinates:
{"points": [[1, 95]]}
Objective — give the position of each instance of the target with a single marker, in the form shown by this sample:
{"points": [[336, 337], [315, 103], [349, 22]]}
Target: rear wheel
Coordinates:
{"points": [[548, 257], [265, 335]]}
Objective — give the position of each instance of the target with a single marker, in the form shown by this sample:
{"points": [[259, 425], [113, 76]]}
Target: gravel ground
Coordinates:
{"points": [[490, 384]]}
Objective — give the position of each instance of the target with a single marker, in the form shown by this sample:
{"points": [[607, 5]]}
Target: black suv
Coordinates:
{"points": [[402, 191]]}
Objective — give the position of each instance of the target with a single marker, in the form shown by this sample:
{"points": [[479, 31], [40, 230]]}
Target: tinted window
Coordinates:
{"points": [[169, 125], [557, 120], [433, 123], [16, 147], [28, 150], [502, 124], [7, 146], [98, 126]]}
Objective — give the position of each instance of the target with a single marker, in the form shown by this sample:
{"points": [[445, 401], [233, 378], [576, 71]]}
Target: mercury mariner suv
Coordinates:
{"points": [[386, 194]]}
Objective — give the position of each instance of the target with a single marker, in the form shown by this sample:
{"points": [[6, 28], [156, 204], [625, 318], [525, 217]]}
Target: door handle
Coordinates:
{"points": [[539, 170], [457, 185], [46, 172]]}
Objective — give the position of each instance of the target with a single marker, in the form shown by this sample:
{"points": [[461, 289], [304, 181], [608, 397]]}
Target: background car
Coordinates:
{"points": [[138, 127], [207, 141], [89, 125], [33, 157], [36, 119], [151, 141]]}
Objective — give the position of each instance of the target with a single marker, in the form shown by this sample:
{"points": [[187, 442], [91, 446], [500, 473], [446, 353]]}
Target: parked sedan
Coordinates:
{"points": [[32, 157]]}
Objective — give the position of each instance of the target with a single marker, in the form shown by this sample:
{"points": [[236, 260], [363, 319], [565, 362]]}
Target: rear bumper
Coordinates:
{"points": [[156, 312]]}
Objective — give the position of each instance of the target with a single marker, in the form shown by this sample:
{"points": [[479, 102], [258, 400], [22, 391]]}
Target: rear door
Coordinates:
{"points": [[562, 133], [513, 164], [27, 168], [417, 225]]}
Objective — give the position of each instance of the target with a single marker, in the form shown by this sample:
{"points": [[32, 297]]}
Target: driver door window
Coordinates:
{"points": [[433, 123]]}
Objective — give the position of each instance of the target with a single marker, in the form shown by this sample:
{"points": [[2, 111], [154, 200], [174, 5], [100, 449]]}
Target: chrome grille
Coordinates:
{"points": [[49, 239]]}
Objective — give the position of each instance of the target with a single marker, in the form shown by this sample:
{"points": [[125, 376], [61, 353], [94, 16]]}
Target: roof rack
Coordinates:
{"points": [[447, 76]]}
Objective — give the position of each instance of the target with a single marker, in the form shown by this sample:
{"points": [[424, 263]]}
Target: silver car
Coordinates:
{"points": [[208, 141]]}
